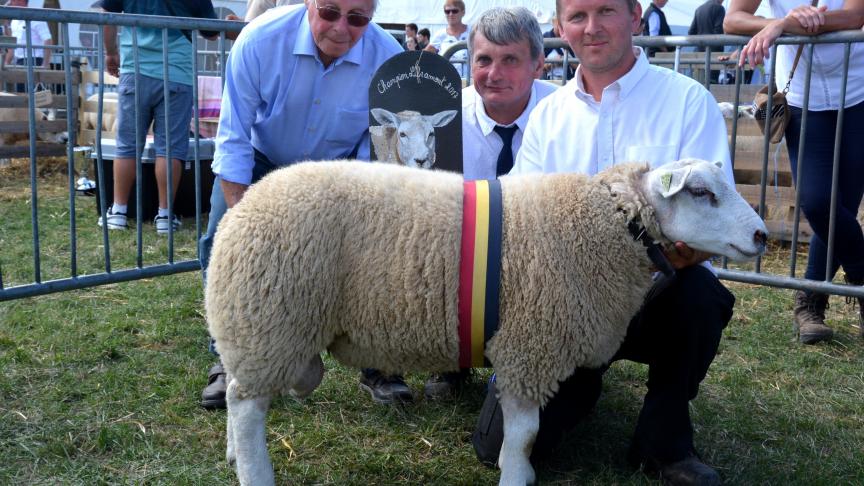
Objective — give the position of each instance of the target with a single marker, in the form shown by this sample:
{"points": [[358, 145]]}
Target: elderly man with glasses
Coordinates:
{"points": [[294, 90]]}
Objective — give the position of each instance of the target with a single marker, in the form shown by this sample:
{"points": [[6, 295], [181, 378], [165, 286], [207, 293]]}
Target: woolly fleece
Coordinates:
{"points": [[362, 260]]}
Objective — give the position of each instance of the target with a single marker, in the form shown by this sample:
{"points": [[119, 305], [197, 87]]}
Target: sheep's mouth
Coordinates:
{"points": [[747, 254]]}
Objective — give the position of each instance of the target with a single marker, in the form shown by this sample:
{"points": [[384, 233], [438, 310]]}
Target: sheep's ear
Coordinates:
{"points": [[673, 180], [384, 117], [441, 118]]}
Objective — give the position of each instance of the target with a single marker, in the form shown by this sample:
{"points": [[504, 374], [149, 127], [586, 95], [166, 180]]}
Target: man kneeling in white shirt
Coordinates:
{"points": [[618, 108]]}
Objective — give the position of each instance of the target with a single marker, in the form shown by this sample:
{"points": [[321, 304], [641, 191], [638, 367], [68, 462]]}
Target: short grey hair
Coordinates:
{"points": [[503, 26]]}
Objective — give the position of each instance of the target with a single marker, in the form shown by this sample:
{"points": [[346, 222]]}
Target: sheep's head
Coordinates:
{"points": [[694, 202], [415, 134], [52, 137]]}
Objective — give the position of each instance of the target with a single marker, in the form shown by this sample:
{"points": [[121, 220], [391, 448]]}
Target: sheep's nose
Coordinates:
{"points": [[420, 162], [760, 238]]}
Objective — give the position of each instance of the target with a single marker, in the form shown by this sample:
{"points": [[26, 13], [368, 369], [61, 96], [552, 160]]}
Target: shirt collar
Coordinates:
{"points": [[624, 85], [305, 44], [487, 124]]}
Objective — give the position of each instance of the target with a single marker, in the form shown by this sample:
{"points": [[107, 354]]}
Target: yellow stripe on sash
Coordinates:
{"points": [[478, 293]]}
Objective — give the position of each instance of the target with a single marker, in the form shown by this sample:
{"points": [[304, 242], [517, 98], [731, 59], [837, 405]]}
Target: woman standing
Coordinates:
{"points": [[814, 183], [455, 31]]}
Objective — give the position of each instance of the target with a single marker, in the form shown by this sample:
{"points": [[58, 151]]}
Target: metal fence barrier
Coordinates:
{"points": [[170, 266], [64, 48]]}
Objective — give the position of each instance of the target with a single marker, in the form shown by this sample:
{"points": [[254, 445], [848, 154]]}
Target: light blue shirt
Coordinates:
{"points": [[280, 99]]}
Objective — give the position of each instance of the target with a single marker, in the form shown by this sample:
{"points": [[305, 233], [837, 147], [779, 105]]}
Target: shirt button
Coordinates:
{"points": [[311, 129], [317, 102]]}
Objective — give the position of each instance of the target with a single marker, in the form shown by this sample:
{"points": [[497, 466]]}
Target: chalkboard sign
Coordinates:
{"points": [[415, 117]]}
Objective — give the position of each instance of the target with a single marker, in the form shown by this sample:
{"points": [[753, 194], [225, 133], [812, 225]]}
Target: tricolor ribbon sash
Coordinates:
{"points": [[479, 270]]}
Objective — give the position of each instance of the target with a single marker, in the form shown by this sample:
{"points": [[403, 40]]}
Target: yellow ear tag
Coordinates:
{"points": [[666, 180]]}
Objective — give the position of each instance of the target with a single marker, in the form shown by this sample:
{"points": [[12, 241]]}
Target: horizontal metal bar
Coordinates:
{"points": [[110, 18], [790, 283], [84, 281], [702, 41]]}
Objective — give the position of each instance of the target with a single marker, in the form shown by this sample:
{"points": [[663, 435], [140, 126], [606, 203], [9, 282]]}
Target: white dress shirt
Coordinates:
{"points": [[650, 114], [39, 31], [480, 144]]}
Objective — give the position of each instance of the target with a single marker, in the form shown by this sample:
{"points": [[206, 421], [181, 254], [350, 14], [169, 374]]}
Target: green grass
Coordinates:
{"points": [[101, 386]]}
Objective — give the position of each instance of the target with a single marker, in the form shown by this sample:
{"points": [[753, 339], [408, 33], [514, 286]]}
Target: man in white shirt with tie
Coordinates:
{"points": [[617, 109], [506, 49]]}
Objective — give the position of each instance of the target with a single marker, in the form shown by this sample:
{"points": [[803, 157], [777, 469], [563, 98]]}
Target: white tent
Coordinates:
{"points": [[430, 13]]}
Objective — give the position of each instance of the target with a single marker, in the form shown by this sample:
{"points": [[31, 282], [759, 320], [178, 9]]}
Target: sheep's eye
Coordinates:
{"points": [[700, 192], [403, 134]]}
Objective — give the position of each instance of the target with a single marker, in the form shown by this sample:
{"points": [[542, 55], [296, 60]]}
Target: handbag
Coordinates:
{"points": [[776, 121]]}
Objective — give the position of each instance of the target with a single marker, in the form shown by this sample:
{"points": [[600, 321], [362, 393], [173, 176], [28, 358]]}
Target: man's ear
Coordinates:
{"points": [[538, 69], [636, 20]]}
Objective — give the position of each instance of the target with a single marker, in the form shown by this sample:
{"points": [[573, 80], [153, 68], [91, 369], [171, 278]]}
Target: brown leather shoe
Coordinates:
{"points": [[442, 386], [213, 396], [689, 471], [809, 320]]}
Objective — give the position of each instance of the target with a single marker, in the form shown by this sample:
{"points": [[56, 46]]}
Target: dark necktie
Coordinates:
{"points": [[505, 157]]}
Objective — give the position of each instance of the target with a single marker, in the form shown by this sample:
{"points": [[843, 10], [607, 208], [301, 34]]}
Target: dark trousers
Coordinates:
{"points": [[218, 208], [676, 334], [815, 187], [37, 61]]}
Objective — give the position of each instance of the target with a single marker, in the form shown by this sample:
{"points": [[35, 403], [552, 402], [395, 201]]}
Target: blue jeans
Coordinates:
{"points": [[815, 188], [218, 208]]}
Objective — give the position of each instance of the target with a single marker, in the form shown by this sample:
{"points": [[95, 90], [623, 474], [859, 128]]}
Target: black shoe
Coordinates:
{"points": [[686, 472], [689, 471], [444, 385], [385, 389], [213, 396]]}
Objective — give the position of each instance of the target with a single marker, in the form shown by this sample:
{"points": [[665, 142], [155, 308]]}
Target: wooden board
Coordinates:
{"points": [[43, 149], [419, 84]]}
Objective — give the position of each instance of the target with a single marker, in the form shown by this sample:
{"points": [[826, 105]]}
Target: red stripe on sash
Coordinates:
{"points": [[466, 272]]}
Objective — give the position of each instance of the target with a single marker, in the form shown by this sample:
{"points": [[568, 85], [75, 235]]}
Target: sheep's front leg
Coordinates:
{"points": [[521, 423], [248, 435]]}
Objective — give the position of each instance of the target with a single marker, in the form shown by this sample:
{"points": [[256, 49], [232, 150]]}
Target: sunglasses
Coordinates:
{"points": [[331, 14], [451, 11]]}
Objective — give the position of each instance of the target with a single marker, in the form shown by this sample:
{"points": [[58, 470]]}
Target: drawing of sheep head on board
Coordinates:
{"points": [[407, 137]]}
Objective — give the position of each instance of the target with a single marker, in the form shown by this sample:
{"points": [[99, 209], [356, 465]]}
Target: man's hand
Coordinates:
{"points": [[232, 35], [233, 192], [112, 64], [682, 256]]}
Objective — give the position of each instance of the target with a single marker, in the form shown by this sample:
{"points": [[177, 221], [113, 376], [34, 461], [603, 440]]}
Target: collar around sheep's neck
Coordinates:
{"points": [[655, 251]]}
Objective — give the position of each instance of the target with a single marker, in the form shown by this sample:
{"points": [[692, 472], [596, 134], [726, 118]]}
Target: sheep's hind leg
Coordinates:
{"points": [[309, 378], [246, 419], [521, 423]]}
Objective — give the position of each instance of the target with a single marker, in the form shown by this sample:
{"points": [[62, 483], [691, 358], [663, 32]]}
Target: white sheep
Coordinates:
{"points": [[362, 260], [22, 115], [109, 112], [407, 137], [728, 110]]}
